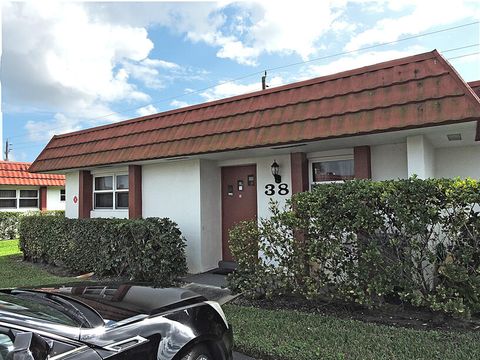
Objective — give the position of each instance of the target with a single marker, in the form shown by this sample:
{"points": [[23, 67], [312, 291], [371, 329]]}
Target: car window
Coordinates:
{"points": [[7, 339], [6, 345], [29, 307]]}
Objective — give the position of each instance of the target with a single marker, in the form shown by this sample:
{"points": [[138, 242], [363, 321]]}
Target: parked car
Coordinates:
{"points": [[84, 322]]}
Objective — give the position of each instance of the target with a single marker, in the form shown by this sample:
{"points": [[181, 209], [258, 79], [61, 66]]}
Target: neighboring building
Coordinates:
{"points": [[210, 165], [21, 190]]}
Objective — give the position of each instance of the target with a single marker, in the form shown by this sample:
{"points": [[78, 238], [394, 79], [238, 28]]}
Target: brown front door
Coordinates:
{"points": [[239, 200]]}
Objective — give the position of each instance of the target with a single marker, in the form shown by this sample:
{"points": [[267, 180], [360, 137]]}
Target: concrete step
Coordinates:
{"points": [[232, 265]]}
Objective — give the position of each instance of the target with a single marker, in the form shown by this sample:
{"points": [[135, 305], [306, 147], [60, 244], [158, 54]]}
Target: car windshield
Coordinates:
{"points": [[46, 307]]}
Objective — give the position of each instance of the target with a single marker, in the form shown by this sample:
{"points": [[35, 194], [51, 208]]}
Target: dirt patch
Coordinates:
{"points": [[402, 315]]}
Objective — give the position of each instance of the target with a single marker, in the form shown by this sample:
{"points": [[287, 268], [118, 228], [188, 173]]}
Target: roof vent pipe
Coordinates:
{"points": [[264, 81]]}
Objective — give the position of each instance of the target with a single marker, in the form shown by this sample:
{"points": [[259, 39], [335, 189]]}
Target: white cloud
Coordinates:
{"points": [[160, 64], [147, 110], [71, 61], [228, 89], [60, 57], [44, 130], [241, 31], [357, 61], [179, 104], [60, 123], [424, 15]]}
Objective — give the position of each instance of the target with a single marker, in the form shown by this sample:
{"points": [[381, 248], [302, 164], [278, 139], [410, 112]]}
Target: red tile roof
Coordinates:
{"points": [[16, 173], [416, 91], [475, 85]]}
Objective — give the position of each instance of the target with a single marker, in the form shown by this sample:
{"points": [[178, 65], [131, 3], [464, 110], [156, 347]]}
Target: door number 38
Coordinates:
{"points": [[282, 189]]}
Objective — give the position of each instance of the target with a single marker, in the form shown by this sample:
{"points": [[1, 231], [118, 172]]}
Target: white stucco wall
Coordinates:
{"points": [[53, 198], [173, 190], [71, 192], [420, 157], [458, 161], [264, 177], [211, 214], [389, 162]]}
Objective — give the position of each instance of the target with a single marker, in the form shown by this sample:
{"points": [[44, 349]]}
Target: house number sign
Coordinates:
{"points": [[270, 189]]}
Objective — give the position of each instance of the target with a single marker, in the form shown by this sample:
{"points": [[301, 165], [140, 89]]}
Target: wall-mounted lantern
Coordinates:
{"points": [[275, 172]]}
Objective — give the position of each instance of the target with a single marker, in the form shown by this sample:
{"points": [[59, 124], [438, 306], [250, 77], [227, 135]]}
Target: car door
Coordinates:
{"points": [[61, 350]]}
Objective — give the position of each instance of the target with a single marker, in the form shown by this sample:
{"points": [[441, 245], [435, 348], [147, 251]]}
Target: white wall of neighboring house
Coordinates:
{"points": [[17, 189], [53, 198], [71, 193]]}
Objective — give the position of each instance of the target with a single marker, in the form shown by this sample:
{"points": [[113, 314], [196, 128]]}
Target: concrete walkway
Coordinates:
{"points": [[208, 278], [212, 286]]}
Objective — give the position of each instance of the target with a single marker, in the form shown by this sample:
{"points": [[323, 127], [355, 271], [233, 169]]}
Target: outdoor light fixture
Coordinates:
{"points": [[275, 170]]}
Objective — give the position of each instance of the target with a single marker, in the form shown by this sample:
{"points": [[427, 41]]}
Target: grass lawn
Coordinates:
{"points": [[14, 272], [288, 334]]}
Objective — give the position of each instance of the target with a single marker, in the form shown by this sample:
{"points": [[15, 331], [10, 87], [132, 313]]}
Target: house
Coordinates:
{"points": [[211, 165], [21, 190]]}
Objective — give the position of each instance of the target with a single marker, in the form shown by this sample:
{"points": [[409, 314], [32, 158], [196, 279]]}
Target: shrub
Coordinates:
{"points": [[9, 225], [410, 240], [143, 250], [10, 220]]}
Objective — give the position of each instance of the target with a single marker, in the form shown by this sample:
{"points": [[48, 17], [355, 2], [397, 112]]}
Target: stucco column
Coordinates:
{"points": [[85, 194], [362, 162], [43, 198], [134, 191], [420, 157], [299, 170]]}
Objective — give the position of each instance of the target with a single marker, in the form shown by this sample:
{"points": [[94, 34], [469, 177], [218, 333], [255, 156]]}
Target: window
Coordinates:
{"points": [[111, 192], [62, 195], [28, 198], [8, 199], [14, 199], [332, 170], [121, 193]]}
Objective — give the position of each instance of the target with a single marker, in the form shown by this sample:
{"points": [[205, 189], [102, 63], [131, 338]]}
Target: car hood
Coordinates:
{"points": [[120, 302]]}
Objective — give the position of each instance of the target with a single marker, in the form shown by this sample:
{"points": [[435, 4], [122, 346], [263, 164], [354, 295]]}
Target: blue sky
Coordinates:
{"points": [[67, 66]]}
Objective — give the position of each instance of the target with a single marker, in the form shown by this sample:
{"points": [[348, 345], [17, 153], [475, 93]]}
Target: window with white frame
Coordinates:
{"points": [[28, 199], [332, 170], [110, 192], [8, 199], [62, 195], [18, 199]]}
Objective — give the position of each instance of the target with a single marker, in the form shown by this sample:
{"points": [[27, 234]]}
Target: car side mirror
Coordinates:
{"points": [[29, 346]]}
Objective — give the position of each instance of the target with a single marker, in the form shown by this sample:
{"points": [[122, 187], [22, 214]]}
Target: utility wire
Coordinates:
{"points": [[465, 55], [39, 143], [175, 97]]}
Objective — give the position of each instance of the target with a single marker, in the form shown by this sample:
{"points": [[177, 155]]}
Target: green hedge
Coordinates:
{"points": [[414, 241], [10, 220], [143, 250], [9, 225]]}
